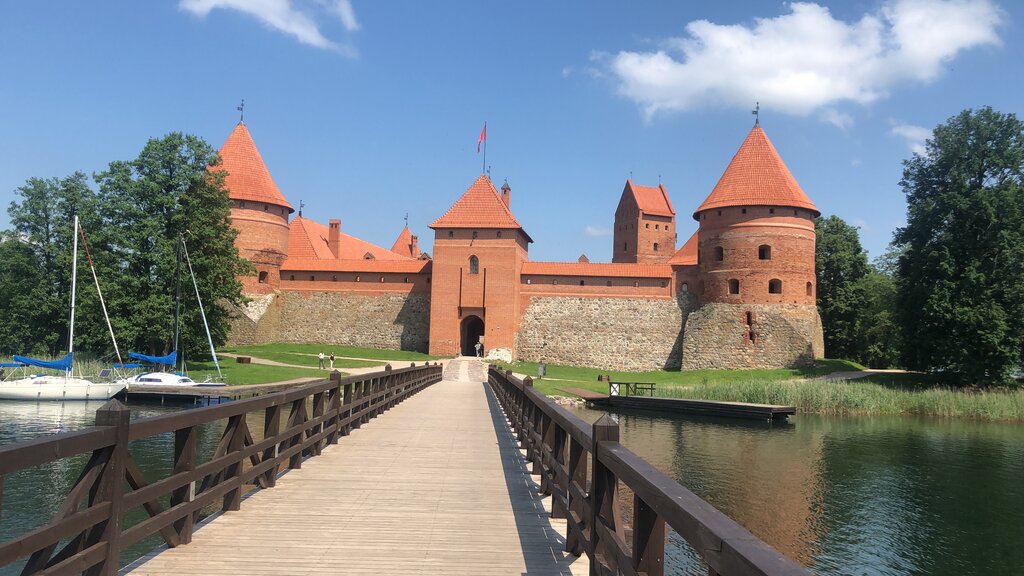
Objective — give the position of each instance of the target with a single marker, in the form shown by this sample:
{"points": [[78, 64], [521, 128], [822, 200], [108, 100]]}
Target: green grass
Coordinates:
{"points": [[293, 353], [236, 374], [576, 377]]}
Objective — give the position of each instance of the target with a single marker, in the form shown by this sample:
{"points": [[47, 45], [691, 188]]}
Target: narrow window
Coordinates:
{"points": [[684, 287], [451, 234], [554, 282], [474, 233], [655, 246], [636, 284], [734, 286], [647, 225], [581, 282], [771, 210], [775, 286], [292, 277], [266, 207], [795, 213], [263, 276], [358, 279], [609, 282], [625, 246], [334, 278], [242, 204], [428, 279], [719, 212], [656, 226], [664, 284], [810, 289], [474, 265], [382, 279], [311, 278], [499, 233], [719, 253], [529, 281], [764, 252], [406, 280], [750, 319], [744, 211]]}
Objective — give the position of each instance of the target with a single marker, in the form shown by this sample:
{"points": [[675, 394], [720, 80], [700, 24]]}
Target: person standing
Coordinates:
{"points": [[321, 357], [479, 350], [332, 360]]}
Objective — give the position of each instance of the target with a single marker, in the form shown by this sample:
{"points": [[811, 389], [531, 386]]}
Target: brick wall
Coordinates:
{"points": [[733, 336]]}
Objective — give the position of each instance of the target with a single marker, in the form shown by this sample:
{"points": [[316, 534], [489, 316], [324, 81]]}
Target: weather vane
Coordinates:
{"points": [[406, 219], [757, 113], [301, 206], [241, 111]]}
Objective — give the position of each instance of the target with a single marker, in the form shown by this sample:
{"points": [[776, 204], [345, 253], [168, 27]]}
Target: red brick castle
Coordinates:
{"points": [[740, 293]]}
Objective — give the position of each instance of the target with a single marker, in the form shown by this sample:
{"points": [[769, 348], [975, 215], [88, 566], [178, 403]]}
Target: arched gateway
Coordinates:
{"points": [[472, 331]]}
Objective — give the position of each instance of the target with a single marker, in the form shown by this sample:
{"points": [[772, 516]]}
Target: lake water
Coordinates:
{"points": [[871, 495]]}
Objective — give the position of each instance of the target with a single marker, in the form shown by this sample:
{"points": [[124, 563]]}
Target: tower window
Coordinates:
{"points": [[656, 226], [263, 277], [775, 286], [451, 234], [655, 246], [684, 287], [609, 282], [474, 265], [810, 289], [312, 278], [582, 282], [292, 277], [719, 253], [499, 233], [734, 286], [764, 252], [719, 212], [625, 246], [334, 278], [771, 210], [744, 211], [474, 233], [266, 207], [647, 225]]}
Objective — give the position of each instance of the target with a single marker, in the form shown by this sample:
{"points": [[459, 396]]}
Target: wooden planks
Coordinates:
{"points": [[436, 486]]}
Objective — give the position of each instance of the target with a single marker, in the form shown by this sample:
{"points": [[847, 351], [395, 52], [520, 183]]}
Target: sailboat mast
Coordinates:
{"points": [[177, 302], [74, 280], [201, 311]]}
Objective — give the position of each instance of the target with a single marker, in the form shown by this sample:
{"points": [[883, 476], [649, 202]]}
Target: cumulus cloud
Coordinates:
{"points": [[300, 22], [804, 61], [914, 136], [592, 230]]}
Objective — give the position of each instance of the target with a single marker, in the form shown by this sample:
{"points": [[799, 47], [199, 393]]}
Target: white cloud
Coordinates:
{"points": [[592, 230], [840, 120], [285, 16], [806, 60], [914, 136]]}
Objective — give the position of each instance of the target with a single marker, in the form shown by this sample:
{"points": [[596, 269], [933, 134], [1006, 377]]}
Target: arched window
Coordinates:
{"points": [[810, 289], [719, 253], [625, 246], [764, 252], [684, 287], [474, 265], [775, 286], [263, 276], [655, 246], [734, 286]]}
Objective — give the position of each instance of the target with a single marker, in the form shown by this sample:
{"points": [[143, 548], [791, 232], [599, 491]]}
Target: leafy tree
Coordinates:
{"points": [[961, 275], [840, 265], [24, 303], [878, 334], [166, 194]]}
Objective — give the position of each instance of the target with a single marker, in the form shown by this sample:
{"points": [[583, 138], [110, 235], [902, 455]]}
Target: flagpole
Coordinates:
{"points": [[483, 168]]}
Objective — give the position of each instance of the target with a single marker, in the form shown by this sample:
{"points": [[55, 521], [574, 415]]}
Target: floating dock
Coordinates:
{"points": [[743, 410]]}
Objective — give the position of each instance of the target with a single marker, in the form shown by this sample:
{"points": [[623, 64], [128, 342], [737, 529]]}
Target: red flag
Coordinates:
{"points": [[483, 136]]}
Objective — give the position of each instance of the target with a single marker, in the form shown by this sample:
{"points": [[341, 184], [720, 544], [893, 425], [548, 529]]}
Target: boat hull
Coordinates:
{"points": [[58, 388]]}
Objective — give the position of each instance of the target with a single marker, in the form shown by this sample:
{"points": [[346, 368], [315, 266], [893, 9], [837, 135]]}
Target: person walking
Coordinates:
{"points": [[321, 358], [332, 360], [479, 350]]}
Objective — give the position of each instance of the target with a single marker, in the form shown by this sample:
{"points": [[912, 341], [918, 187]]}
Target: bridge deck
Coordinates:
{"points": [[435, 486]]}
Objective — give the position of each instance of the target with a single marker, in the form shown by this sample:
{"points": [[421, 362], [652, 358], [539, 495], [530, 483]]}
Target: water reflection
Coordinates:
{"points": [[888, 495]]}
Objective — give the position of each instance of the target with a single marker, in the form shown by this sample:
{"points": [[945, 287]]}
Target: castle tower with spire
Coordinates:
{"points": [[258, 210]]}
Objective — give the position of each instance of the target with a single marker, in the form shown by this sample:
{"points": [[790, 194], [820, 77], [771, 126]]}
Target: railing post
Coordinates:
{"points": [[233, 497], [318, 411], [577, 476], [347, 403], [604, 490], [184, 461], [110, 487], [334, 397], [648, 539], [271, 428]]}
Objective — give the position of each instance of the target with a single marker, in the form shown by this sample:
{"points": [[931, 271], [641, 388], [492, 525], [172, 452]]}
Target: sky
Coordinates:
{"points": [[368, 111]]}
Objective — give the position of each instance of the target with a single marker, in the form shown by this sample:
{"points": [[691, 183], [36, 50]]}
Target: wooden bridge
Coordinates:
{"points": [[472, 473]]}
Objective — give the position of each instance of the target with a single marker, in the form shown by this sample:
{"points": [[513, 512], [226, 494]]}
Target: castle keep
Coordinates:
{"points": [[739, 293]]}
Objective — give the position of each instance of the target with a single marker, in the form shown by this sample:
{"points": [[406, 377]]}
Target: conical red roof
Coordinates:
{"points": [[479, 207], [757, 176], [403, 244], [247, 176]]}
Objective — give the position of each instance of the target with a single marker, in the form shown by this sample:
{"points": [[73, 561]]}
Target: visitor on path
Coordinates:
{"points": [[321, 357], [479, 350], [332, 360]]}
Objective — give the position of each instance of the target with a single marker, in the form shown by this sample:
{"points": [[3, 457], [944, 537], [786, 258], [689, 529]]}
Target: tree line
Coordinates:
{"points": [[948, 295], [133, 215]]}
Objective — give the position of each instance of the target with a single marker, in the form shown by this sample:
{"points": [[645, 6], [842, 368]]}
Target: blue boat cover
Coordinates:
{"points": [[11, 365], [128, 365], [169, 360], [62, 364]]}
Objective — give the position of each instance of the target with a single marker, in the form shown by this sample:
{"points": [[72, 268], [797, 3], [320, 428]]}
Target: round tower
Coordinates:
{"points": [[258, 211], [756, 236]]}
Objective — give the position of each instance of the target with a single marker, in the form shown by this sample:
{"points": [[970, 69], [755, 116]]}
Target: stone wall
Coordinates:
{"points": [[608, 333], [718, 336], [378, 320]]}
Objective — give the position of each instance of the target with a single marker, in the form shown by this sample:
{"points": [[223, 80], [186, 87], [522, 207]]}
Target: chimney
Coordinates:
{"points": [[414, 249], [334, 237], [506, 194]]}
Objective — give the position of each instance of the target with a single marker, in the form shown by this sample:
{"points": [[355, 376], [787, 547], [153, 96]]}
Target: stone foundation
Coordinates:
{"points": [[607, 333], [779, 335]]}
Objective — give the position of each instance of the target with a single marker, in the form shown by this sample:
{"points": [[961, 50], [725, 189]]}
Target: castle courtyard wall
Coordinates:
{"points": [[718, 336]]}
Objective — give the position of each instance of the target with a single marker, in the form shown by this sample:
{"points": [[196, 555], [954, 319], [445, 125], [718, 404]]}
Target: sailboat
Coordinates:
{"points": [[66, 386], [171, 359]]}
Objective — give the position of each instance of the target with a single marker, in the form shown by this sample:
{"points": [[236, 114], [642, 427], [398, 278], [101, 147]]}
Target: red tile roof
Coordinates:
{"points": [[756, 176], [597, 269], [403, 244], [247, 176], [479, 207], [307, 240], [357, 265], [687, 255], [651, 199]]}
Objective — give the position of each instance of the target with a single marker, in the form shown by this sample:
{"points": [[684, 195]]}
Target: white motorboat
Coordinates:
{"points": [[66, 386], [163, 379]]}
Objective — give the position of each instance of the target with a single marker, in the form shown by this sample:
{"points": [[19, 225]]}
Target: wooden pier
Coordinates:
{"points": [[626, 397]]}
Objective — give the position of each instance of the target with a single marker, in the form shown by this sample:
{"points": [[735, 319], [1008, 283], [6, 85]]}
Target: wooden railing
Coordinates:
{"points": [[560, 446], [632, 389], [94, 536]]}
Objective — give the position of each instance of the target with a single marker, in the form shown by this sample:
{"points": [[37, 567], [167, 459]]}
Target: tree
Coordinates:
{"points": [[24, 303], [878, 335], [168, 193], [961, 275], [840, 265]]}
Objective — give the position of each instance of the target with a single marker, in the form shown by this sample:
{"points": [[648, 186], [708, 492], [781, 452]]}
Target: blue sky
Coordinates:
{"points": [[368, 110]]}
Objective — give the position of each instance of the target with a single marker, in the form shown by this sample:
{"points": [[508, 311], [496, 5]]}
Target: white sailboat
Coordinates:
{"points": [[59, 387]]}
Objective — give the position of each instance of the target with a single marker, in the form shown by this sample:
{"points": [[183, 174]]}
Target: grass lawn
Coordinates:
{"points": [[236, 374], [586, 378], [293, 353]]}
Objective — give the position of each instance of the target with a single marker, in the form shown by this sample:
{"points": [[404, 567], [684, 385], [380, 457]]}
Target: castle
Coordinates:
{"points": [[739, 293]]}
